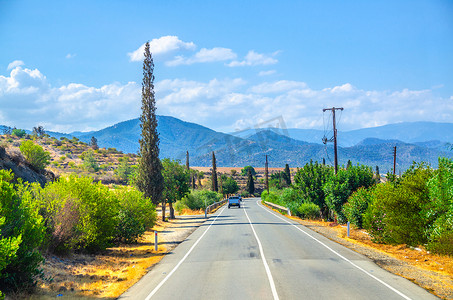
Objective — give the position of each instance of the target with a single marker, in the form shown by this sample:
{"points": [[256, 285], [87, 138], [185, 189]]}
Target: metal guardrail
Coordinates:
{"points": [[288, 211], [214, 206]]}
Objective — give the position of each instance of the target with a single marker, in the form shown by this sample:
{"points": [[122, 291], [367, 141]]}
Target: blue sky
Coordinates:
{"points": [[75, 65]]}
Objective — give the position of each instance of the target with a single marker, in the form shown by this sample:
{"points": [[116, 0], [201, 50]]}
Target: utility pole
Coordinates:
{"points": [[394, 161], [266, 174], [333, 109]]}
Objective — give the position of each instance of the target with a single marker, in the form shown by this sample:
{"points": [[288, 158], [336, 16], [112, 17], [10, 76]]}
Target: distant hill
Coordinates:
{"points": [[418, 141], [176, 137], [409, 132]]}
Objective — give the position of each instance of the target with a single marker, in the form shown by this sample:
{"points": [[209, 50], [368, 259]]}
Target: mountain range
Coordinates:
{"points": [[416, 141]]}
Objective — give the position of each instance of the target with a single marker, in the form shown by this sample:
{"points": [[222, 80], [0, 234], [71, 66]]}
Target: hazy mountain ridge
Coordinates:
{"points": [[370, 146]]}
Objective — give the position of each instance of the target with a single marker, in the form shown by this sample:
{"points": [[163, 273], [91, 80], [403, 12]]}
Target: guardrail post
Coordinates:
{"points": [[206, 213], [289, 212], [155, 240]]}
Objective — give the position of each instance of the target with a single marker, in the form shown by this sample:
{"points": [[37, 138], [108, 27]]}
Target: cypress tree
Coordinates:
{"points": [[150, 180], [378, 176], [250, 183], [214, 174], [287, 175]]}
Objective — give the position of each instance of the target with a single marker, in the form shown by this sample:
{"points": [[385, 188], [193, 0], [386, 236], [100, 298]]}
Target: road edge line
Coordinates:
{"points": [[338, 254], [263, 258], [182, 260]]}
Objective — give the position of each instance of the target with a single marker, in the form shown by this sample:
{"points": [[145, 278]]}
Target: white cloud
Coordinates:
{"points": [[266, 73], [203, 56], [277, 86], [28, 99], [254, 59], [69, 55], [160, 46], [16, 63]]}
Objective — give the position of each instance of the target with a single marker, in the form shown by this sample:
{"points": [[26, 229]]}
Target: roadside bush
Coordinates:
{"points": [[310, 180], [273, 196], [308, 210], [338, 188], [245, 194], [89, 216], [136, 215], [35, 155], [398, 212], [22, 233], [440, 239], [290, 195], [356, 206], [200, 199]]}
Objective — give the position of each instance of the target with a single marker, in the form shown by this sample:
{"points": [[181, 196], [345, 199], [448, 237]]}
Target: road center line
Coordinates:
{"points": [[336, 253], [263, 258], [182, 260]]}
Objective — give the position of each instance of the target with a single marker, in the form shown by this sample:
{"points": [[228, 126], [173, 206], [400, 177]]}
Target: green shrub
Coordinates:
{"points": [[35, 154], [290, 195], [86, 213], [22, 232], [338, 188], [136, 215], [309, 181], [356, 206], [245, 194], [200, 199], [19, 132], [308, 210], [440, 186], [397, 213], [89, 161]]}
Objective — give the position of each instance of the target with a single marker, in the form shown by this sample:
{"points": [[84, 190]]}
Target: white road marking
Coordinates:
{"points": [[182, 260], [263, 258], [335, 252]]}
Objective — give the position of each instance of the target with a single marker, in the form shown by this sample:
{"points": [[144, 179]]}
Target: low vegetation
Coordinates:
{"points": [[415, 209]]}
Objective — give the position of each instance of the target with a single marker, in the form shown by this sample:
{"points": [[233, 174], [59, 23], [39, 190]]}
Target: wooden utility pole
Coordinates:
{"points": [[266, 174], [394, 161], [333, 109]]}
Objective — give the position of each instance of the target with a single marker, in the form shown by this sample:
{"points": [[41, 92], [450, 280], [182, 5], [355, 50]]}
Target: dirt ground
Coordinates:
{"points": [[109, 274]]}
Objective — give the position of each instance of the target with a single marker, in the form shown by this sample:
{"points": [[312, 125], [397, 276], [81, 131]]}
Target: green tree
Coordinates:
{"points": [[245, 170], [250, 187], [176, 184], [230, 186], [214, 174], [124, 170], [149, 180], [399, 213], [287, 175], [310, 180], [89, 161], [35, 155], [39, 131], [18, 132], [339, 187], [94, 143]]}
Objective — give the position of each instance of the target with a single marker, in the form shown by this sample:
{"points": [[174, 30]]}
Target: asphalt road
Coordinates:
{"points": [[254, 253]]}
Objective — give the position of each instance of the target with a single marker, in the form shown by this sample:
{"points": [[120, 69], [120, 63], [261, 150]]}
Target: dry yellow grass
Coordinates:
{"points": [[106, 275]]}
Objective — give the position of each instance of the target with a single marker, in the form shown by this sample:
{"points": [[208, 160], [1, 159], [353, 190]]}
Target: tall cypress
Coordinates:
{"points": [[214, 174], [250, 183], [287, 175], [150, 180]]}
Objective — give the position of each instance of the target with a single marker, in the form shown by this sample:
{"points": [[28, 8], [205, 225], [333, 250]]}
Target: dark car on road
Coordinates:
{"points": [[234, 201]]}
